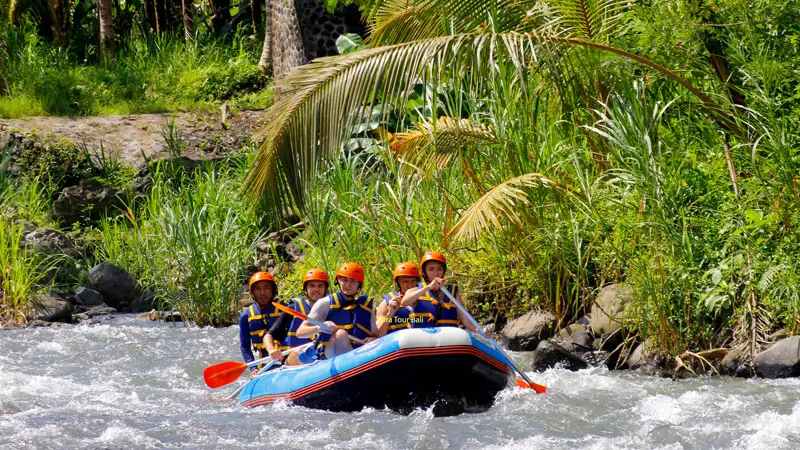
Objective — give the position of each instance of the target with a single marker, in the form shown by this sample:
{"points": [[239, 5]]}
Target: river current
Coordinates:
{"points": [[122, 384]]}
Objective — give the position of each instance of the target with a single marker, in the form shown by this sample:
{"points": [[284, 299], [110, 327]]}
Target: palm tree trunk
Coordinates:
{"points": [[161, 15], [222, 13], [288, 51], [265, 63], [255, 7], [188, 23], [105, 14]]}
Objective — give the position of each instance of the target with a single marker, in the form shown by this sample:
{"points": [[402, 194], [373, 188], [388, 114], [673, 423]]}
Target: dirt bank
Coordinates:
{"points": [[130, 137]]}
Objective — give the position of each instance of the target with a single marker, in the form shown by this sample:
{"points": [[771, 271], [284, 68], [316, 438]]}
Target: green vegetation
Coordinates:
{"points": [[151, 74], [587, 143], [189, 240], [549, 151]]}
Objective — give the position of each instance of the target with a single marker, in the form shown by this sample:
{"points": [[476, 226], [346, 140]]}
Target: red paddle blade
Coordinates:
{"points": [[223, 373], [290, 311], [536, 387]]}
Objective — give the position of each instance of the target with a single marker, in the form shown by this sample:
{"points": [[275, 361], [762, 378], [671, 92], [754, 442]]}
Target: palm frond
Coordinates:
{"points": [[445, 138], [501, 204], [309, 123], [397, 21], [595, 20]]}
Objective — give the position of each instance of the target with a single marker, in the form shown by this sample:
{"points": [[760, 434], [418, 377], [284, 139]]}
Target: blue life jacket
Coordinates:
{"points": [[259, 323], [425, 312], [448, 311], [355, 318], [291, 340], [400, 320]]}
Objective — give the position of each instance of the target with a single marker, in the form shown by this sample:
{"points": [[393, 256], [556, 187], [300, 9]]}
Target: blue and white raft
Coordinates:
{"points": [[451, 369]]}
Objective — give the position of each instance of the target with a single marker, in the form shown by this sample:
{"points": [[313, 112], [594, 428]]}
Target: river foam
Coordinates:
{"points": [[127, 385]]}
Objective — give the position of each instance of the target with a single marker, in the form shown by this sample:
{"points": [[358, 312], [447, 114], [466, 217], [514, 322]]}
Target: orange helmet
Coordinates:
{"points": [[316, 275], [262, 276], [405, 269], [351, 270], [432, 256]]}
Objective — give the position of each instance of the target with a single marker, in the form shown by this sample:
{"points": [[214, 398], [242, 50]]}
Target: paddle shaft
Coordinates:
{"points": [[264, 369], [480, 330], [322, 327]]}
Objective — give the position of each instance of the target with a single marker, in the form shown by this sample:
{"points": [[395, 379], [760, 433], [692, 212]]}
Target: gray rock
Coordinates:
{"points": [[115, 284], [50, 241], [524, 333], [144, 302], [608, 310], [644, 358], [89, 200], [576, 338], [782, 360], [88, 297], [734, 365], [50, 309], [549, 354], [100, 310]]}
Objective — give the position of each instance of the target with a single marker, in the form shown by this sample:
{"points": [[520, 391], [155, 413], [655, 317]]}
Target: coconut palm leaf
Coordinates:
{"points": [[445, 138], [397, 21], [502, 204], [594, 20], [310, 121]]}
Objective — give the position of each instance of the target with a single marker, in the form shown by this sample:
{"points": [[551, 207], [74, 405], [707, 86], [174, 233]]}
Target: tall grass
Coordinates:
{"points": [[189, 240], [20, 271]]}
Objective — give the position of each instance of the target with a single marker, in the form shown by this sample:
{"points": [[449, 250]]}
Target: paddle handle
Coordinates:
{"points": [[477, 326], [322, 327]]}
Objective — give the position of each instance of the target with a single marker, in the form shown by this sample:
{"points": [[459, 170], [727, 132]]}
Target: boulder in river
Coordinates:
{"points": [[48, 308], [119, 290], [608, 310], [781, 360], [549, 354], [576, 338], [525, 332], [88, 297]]}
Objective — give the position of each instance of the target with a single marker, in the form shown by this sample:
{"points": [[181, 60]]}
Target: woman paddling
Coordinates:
{"points": [[434, 267], [284, 330], [390, 316]]}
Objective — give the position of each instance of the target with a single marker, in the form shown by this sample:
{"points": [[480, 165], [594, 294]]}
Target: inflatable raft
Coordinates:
{"points": [[453, 370]]}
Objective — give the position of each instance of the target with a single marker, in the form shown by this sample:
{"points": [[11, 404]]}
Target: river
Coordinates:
{"points": [[122, 384]]}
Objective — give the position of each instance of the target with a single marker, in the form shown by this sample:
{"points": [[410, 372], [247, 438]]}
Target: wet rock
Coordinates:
{"points": [[644, 358], [50, 309], [576, 338], [142, 303], [781, 360], [50, 241], [87, 316], [159, 316], [89, 200], [734, 365], [549, 354], [596, 358], [524, 333], [608, 310], [115, 284], [88, 297]]}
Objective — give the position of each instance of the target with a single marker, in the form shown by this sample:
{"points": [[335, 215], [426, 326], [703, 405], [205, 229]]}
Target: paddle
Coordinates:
{"points": [[530, 384], [227, 372], [322, 327], [261, 372]]}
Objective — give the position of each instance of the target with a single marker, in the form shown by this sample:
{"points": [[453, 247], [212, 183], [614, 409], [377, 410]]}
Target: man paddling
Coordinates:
{"points": [[284, 330], [258, 317], [344, 311]]}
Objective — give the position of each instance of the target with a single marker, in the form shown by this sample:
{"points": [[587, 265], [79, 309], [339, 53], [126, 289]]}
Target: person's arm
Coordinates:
{"points": [[276, 333], [244, 339], [280, 328], [412, 295], [318, 312], [384, 317]]}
